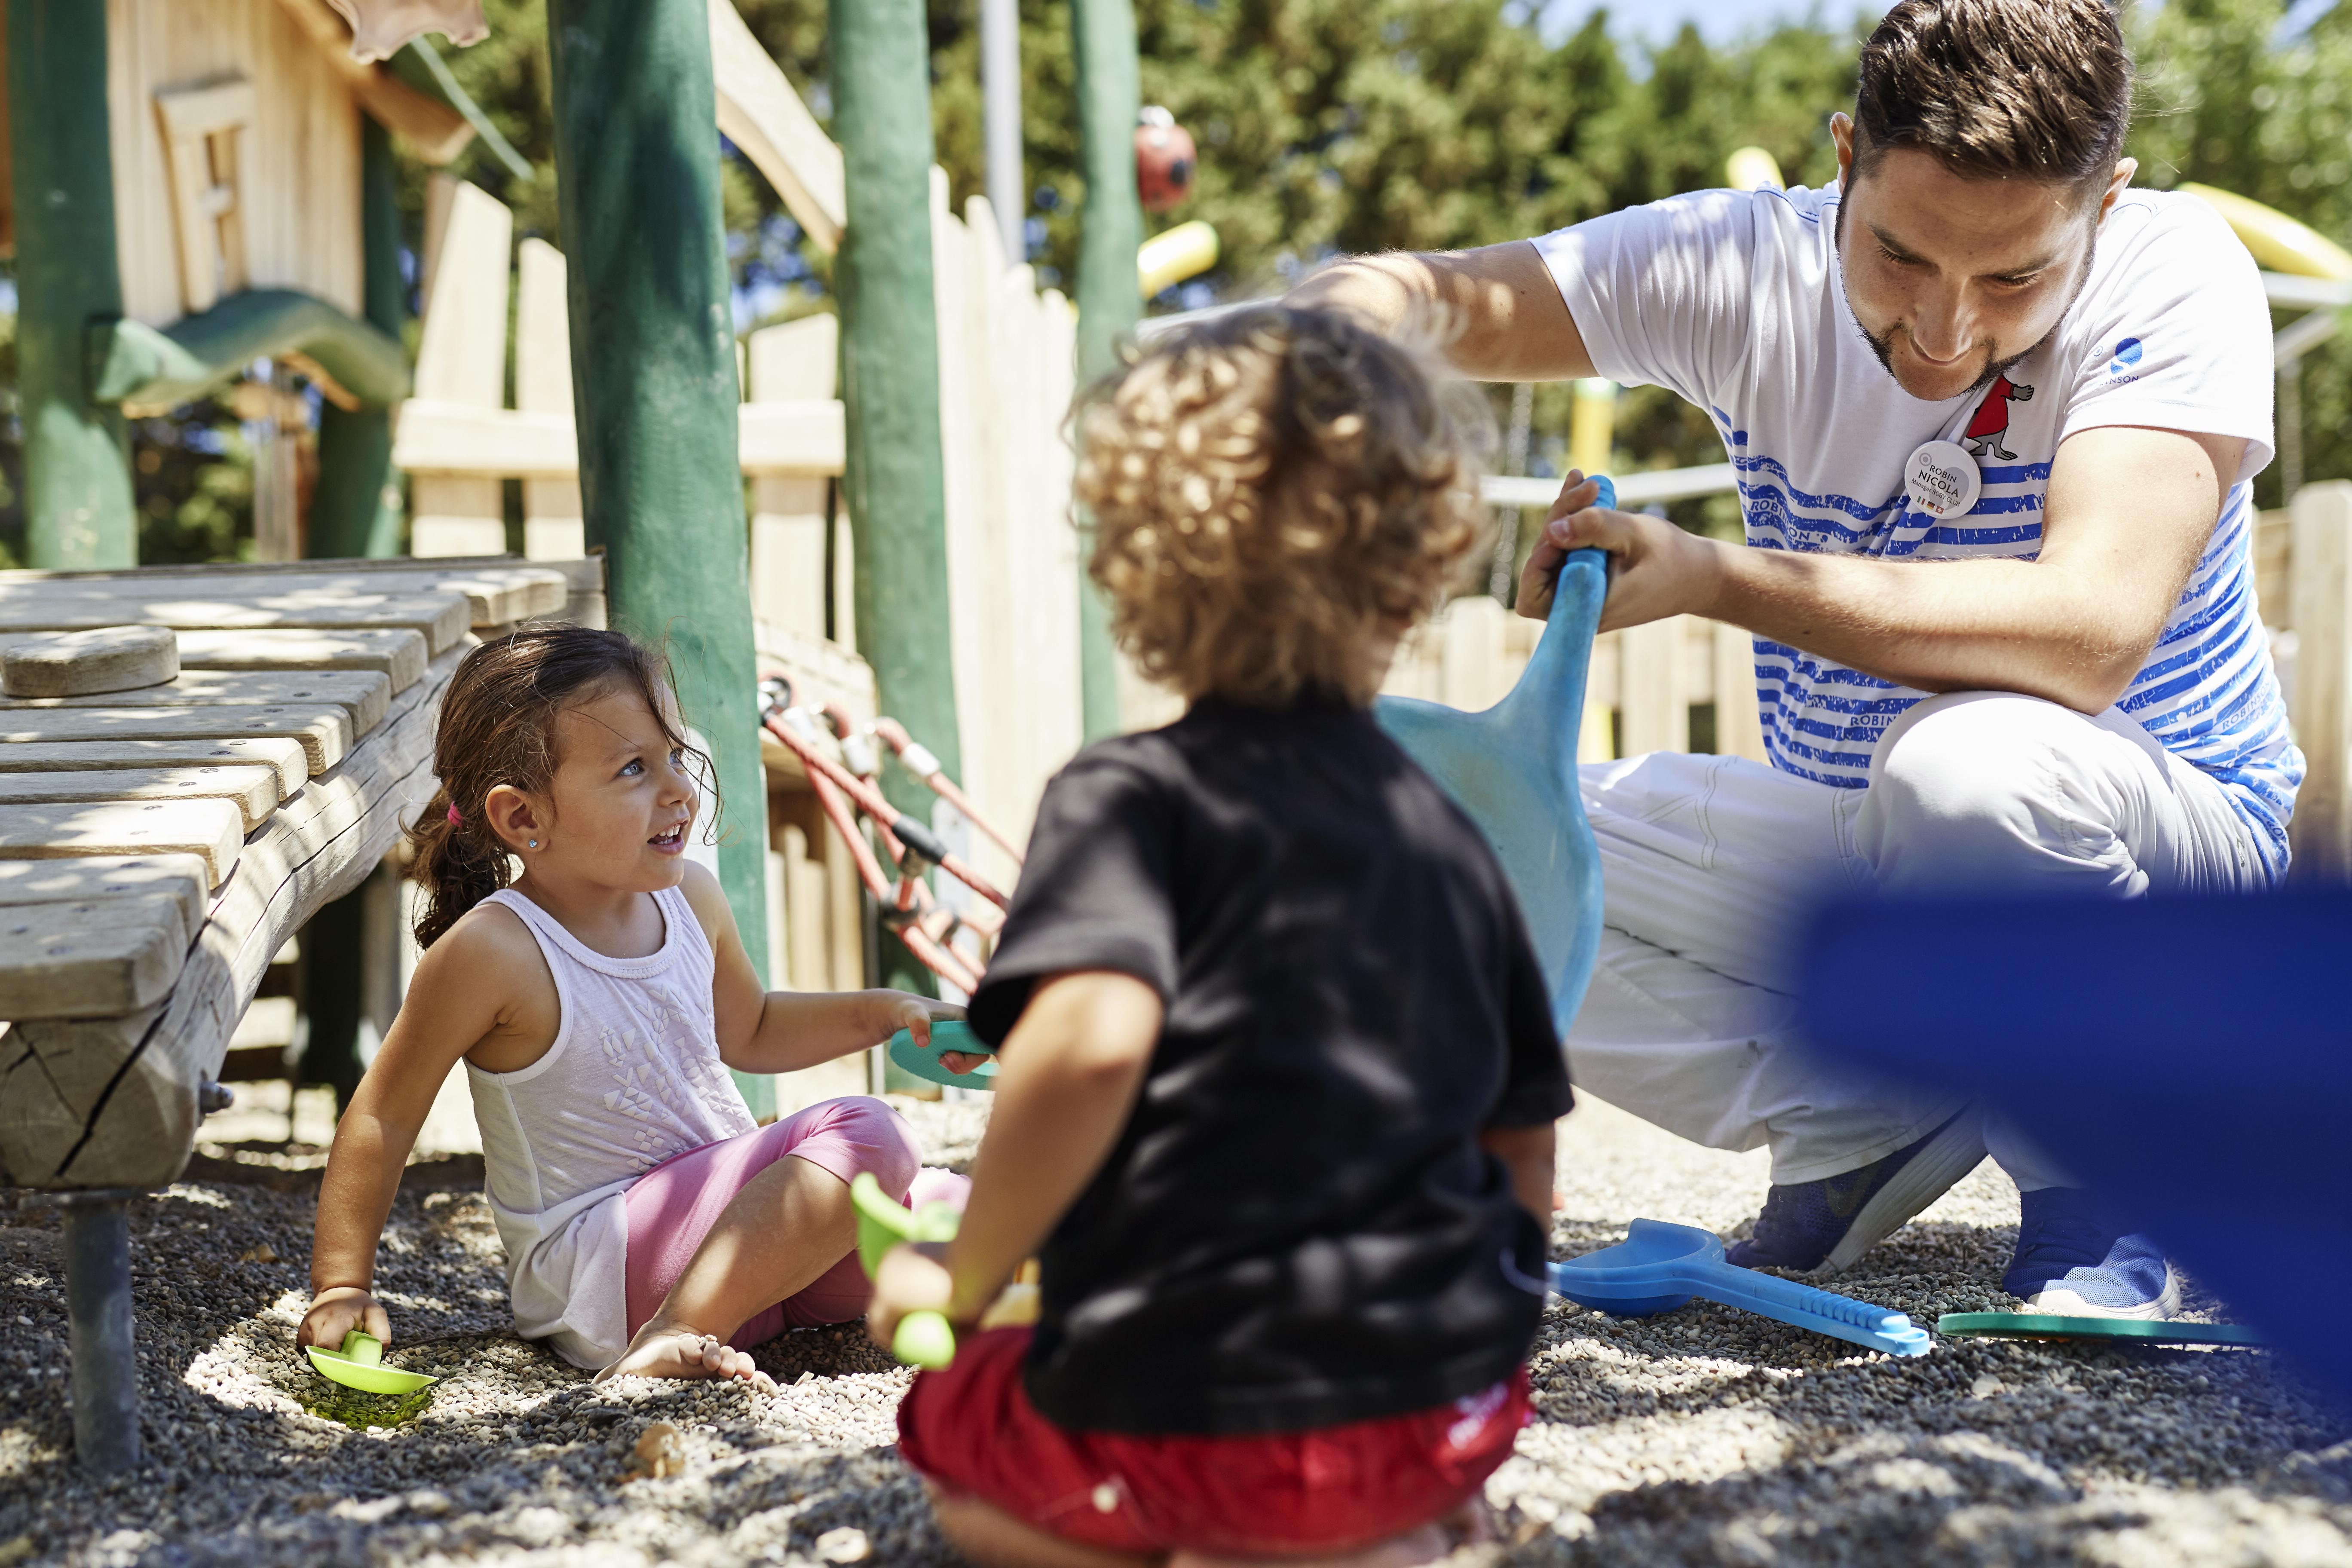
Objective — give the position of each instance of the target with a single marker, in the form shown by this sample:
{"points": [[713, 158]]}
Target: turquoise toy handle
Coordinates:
{"points": [[1790, 1301], [947, 1035]]}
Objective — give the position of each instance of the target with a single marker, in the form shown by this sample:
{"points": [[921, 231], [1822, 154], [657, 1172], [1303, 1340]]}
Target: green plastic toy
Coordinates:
{"points": [[923, 1339], [359, 1365], [2040, 1326], [947, 1035]]}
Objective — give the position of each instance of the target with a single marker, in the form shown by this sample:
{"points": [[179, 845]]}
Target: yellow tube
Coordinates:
{"points": [[2278, 241], [1591, 425], [1185, 251], [1753, 169]]}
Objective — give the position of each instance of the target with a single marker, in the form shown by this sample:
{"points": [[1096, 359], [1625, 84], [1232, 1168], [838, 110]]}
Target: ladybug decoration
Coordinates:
{"points": [[1164, 160]]}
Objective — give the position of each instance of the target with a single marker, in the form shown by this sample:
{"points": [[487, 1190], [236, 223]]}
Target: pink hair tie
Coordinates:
{"points": [[454, 818]]}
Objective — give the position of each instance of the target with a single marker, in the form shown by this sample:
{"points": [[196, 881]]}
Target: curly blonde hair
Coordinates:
{"points": [[1278, 495]]}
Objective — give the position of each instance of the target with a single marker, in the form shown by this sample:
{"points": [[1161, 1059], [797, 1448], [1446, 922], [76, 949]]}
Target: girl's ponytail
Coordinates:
{"points": [[498, 727], [459, 862]]}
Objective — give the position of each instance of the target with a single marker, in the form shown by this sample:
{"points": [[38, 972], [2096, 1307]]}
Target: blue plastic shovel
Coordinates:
{"points": [[1658, 1267], [1513, 769], [947, 1035]]}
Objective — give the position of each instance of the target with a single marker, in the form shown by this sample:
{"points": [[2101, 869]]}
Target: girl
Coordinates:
{"points": [[1277, 1078], [650, 1226]]}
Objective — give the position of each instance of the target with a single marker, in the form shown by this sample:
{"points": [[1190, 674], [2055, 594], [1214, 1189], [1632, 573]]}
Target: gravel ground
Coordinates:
{"points": [[1701, 1436]]}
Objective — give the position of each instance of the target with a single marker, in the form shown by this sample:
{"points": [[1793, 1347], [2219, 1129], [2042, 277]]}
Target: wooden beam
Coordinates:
{"points": [[442, 617], [112, 1102], [252, 789], [431, 437], [89, 959], [362, 692], [182, 878], [1655, 714], [282, 756], [396, 653], [434, 132], [213, 829], [324, 729], [761, 113]]}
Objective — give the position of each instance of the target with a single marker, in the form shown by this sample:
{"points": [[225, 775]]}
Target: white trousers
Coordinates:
{"points": [[1709, 865]]}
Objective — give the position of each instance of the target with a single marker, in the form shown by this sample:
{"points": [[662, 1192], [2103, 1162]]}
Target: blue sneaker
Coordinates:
{"points": [[2072, 1262], [1828, 1224]]}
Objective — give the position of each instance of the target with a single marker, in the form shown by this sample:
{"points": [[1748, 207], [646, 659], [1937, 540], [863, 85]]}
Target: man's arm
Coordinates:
{"points": [[2127, 514], [1495, 311]]}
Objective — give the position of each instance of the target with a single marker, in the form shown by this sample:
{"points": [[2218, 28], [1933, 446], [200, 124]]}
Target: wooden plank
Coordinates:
{"points": [[396, 653], [2321, 834], [1738, 722], [495, 591], [553, 520], [180, 877], [807, 438], [442, 617], [362, 693], [283, 757], [1655, 713], [324, 729], [108, 1102], [253, 790], [761, 113], [461, 353], [213, 829], [447, 439], [90, 959], [76, 664]]}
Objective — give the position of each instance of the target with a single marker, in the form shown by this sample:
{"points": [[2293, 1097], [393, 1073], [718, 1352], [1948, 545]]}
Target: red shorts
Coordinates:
{"points": [[971, 1432]]}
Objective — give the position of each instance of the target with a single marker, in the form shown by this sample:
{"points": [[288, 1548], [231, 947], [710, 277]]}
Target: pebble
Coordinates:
{"points": [[1704, 1436]]}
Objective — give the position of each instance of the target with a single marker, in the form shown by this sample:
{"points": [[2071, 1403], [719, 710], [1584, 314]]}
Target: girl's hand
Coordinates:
{"points": [[913, 1278], [916, 1014], [336, 1311]]}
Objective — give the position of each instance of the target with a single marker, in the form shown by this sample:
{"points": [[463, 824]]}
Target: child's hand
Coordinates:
{"points": [[916, 1014], [913, 1279], [336, 1312]]}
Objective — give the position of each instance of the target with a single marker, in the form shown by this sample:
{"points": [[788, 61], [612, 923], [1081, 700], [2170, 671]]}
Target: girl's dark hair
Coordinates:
{"points": [[498, 727]]}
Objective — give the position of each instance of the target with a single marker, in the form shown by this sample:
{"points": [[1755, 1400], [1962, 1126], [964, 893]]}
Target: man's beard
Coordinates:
{"points": [[1996, 365]]}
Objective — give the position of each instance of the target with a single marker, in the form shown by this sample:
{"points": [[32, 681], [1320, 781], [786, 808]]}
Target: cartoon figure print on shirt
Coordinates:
{"points": [[1983, 434]]}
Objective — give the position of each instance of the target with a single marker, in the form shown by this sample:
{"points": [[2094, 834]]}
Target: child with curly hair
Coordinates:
{"points": [[1277, 1075], [597, 1002]]}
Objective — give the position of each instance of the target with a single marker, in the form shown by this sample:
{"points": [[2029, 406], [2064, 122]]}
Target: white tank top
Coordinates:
{"points": [[634, 1076]]}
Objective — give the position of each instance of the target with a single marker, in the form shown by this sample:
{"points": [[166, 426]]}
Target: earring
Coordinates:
{"points": [[534, 843]]}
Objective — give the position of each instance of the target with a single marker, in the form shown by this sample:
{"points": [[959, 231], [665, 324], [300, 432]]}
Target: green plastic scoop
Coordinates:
{"points": [[2042, 1326], [359, 1365], [923, 1339], [947, 1035]]}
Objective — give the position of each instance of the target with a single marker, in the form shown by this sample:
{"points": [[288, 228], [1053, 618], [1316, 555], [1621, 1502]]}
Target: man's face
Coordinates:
{"points": [[1954, 279]]}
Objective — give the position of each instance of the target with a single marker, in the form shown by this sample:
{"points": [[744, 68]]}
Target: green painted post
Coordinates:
{"points": [[1110, 300], [653, 387], [355, 511], [895, 480], [78, 500]]}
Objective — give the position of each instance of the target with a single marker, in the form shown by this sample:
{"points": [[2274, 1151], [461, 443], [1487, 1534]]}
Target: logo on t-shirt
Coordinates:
{"points": [[2126, 356], [1983, 434]]}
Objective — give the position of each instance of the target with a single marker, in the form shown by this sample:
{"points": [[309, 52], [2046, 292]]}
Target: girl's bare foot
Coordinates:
{"points": [[675, 1350]]}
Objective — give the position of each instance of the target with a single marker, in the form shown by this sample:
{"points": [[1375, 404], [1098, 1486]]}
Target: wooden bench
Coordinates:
{"points": [[158, 845]]}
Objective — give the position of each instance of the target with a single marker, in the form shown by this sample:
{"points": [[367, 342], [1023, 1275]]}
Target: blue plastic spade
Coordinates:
{"points": [[1513, 769], [1658, 1267]]}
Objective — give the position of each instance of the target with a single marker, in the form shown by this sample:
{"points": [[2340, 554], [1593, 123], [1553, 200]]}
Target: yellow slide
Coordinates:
{"points": [[2278, 241]]}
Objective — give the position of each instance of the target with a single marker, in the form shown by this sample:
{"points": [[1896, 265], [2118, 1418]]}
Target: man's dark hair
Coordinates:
{"points": [[2038, 90]]}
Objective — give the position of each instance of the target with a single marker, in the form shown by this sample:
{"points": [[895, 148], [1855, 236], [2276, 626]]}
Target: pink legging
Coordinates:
{"points": [[672, 1207]]}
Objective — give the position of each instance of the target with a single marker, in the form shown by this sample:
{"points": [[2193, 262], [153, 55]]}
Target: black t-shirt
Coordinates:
{"points": [[1297, 1226]]}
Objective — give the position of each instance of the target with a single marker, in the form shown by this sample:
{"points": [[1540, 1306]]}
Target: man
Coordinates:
{"points": [[2033, 661]]}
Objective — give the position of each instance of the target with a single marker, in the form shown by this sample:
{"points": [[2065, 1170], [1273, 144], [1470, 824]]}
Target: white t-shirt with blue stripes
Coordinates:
{"points": [[1735, 300]]}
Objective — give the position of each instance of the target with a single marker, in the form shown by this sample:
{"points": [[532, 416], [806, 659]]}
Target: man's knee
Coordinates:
{"points": [[1962, 789]]}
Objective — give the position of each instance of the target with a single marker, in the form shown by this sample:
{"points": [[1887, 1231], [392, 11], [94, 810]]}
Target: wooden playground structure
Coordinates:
{"points": [[871, 506]]}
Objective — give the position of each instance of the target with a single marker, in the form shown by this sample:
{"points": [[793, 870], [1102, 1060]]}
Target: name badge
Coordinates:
{"points": [[1942, 478]]}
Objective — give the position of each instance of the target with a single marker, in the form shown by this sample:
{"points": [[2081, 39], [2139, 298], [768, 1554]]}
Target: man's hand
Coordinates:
{"points": [[336, 1311], [1655, 569]]}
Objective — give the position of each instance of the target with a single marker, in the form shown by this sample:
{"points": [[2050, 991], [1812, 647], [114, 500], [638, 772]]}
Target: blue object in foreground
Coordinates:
{"points": [[1513, 769], [1658, 1267], [2189, 1057], [947, 1035]]}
